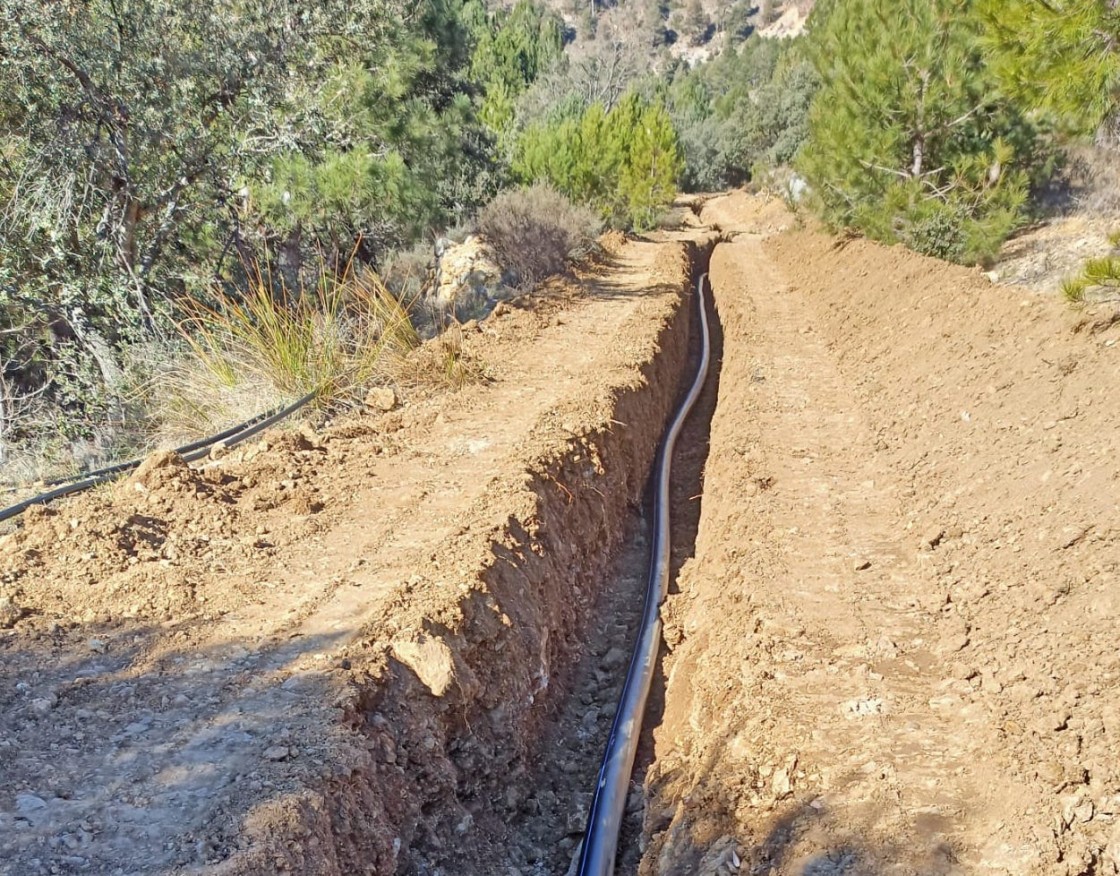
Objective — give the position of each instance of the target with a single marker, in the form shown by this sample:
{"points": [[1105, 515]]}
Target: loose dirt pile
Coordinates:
{"points": [[333, 651], [894, 651]]}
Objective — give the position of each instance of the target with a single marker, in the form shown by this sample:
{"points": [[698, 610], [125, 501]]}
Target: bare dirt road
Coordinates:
{"points": [[894, 650], [392, 643]]}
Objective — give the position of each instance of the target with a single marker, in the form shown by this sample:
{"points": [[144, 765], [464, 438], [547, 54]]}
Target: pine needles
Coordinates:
{"points": [[1099, 279]]}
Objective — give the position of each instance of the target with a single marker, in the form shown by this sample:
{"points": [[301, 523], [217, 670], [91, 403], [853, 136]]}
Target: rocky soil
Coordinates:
{"points": [[337, 650], [894, 650], [392, 642]]}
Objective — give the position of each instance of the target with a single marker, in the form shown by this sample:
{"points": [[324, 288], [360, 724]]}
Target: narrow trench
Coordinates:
{"points": [[686, 492], [542, 838], [572, 748]]}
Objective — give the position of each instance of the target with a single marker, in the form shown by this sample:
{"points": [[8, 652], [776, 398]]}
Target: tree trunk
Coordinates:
{"points": [[919, 147], [112, 376], [290, 259]]}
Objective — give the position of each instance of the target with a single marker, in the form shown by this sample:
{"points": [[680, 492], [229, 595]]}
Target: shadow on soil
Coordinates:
{"points": [[842, 853], [112, 757], [804, 838]]}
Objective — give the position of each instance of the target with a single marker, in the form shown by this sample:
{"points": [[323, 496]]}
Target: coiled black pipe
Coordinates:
{"points": [[600, 839], [190, 452]]}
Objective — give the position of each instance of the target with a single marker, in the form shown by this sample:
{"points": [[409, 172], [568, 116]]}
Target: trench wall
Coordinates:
{"points": [[436, 736]]}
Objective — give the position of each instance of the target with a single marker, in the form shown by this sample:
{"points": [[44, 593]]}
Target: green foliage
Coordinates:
{"points": [[148, 147], [738, 23], [697, 22], [908, 139], [746, 109], [511, 53], [387, 146], [515, 49], [1073, 289], [624, 162], [1058, 55], [1099, 277]]}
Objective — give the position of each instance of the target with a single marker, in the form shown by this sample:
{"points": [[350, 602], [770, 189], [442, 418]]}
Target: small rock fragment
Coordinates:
{"points": [[781, 785], [614, 658], [10, 612], [381, 398], [42, 706], [31, 807], [312, 439], [933, 538]]}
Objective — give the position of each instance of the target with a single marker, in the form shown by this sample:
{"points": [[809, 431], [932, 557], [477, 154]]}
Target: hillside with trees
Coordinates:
{"points": [[160, 169]]}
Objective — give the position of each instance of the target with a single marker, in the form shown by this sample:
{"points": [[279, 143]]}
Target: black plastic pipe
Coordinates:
{"points": [[190, 452], [604, 822], [120, 467]]}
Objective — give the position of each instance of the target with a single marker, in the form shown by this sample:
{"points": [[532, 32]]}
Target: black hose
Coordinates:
{"points": [[116, 468], [190, 452], [600, 839], [120, 467]]}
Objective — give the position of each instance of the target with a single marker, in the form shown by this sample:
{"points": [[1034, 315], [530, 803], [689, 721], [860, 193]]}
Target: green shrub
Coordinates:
{"points": [[1100, 274], [623, 162], [746, 109], [907, 139]]}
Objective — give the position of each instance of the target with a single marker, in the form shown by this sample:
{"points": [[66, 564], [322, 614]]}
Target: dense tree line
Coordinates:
{"points": [[938, 120], [151, 152], [743, 112], [624, 160], [932, 123], [150, 149]]}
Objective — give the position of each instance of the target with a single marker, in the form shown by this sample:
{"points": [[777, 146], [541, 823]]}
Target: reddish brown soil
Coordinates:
{"points": [[334, 651], [894, 651], [392, 643]]}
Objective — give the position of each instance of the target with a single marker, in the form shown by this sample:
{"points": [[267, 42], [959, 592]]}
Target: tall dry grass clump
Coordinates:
{"points": [[258, 346]]}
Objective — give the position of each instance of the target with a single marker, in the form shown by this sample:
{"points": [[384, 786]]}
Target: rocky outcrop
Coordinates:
{"points": [[469, 279]]}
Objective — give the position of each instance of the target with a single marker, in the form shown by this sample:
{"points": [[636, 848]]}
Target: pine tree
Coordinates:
{"points": [[908, 139], [625, 162], [1058, 55], [648, 178]]}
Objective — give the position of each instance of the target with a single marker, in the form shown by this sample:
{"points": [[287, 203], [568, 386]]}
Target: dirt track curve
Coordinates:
{"points": [[393, 643]]}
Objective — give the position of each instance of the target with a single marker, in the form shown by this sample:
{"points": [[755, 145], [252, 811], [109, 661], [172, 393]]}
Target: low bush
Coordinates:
{"points": [[536, 231]]}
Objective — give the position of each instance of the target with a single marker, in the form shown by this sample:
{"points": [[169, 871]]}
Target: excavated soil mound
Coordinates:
{"points": [[894, 651]]}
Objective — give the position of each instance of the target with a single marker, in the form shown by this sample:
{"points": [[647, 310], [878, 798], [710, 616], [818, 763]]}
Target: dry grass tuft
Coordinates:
{"points": [[254, 348], [441, 363]]}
